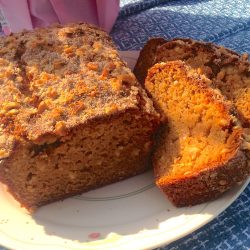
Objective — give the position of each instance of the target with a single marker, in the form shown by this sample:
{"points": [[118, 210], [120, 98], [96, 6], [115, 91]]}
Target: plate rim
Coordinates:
{"points": [[7, 241]]}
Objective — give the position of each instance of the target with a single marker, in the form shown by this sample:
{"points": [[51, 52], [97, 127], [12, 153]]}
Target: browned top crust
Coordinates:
{"points": [[55, 78]]}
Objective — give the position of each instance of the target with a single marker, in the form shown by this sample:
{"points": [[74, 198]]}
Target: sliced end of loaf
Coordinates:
{"points": [[199, 154]]}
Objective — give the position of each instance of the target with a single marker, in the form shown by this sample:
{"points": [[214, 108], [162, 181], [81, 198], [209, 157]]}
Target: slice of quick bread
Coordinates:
{"points": [[200, 149], [229, 71]]}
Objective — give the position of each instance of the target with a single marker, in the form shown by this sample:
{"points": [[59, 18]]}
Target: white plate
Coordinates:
{"points": [[132, 214]]}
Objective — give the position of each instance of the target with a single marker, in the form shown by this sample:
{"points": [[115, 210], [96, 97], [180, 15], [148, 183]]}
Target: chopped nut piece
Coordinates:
{"points": [[52, 93], [19, 79], [11, 105], [48, 138], [77, 107], [68, 50], [93, 93], [67, 97], [42, 107], [221, 74], [97, 46], [56, 113], [13, 112], [60, 128], [116, 84], [223, 122], [111, 109], [104, 74], [92, 66], [199, 71], [226, 150], [45, 76], [80, 51], [81, 88]]}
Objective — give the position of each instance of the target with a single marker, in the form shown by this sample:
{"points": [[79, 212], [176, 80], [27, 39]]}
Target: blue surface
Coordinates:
{"points": [[226, 22]]}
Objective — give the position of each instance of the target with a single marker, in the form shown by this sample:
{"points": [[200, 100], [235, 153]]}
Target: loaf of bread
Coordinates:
{"points": [[73, 116], [200, 153]]}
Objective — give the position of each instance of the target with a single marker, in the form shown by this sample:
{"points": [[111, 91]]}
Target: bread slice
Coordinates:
{"points": [[199, 155], [73, 116], [146, 58], [229, 71]]}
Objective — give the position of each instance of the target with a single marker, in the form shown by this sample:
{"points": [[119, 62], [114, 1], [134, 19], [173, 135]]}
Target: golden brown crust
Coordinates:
{"points": [[146, 58], [198, 156], [208, 184]]}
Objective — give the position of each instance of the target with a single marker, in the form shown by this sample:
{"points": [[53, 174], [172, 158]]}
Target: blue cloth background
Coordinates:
{"points": [[225, 22]]}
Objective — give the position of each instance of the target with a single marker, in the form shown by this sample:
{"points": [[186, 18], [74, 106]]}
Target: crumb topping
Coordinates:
{"points": [[56, 78]]}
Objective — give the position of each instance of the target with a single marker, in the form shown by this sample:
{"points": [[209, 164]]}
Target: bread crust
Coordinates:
{"points": [[206, 185], [146, 58]]}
